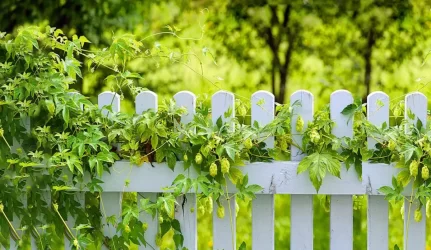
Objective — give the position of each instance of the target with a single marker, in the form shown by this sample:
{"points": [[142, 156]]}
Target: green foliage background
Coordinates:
{"points": [[244, 46]]}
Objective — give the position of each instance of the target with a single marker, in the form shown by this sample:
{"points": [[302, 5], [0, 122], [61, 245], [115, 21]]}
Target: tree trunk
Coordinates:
{"points": [[367, 58]]}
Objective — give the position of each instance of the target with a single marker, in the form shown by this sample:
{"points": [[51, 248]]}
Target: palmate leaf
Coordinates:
{"points": [[318, 164]]}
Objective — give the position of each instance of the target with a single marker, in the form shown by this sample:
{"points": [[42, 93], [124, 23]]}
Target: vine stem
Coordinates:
{"points": [[69, 232], [14, 232], [230, 214], [408, 217]]}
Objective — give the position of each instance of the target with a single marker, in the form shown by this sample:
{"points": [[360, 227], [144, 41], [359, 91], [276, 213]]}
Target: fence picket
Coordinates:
{"points": [[301, 212], [262, 111], [79, 196], [414, 232], [223, 105], [110, 202], [341, 221], [377, 209], [147, 100], [186, 217]]}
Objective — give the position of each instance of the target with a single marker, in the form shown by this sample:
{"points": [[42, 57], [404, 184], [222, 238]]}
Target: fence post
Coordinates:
{"points": [[377, 209], [223, 105], [301, 212], [414, 232], [262, 111], [186, 217], [341, 221], [110, 202], [147, 100]]}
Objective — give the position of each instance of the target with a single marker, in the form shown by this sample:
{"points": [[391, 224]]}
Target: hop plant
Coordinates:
{"points": [[314, 136], [242, 111], [392, 144], [213, 169], [144, 226], [201, 210], [299, 124], [236, 208], [198, 158], [283, 144], [248, 143], [161, 219], [127, 229], [209, 204], [418, 215], [220, 212], [414, 168], [185, 157], [225, 166], [428, 208], [425, 173]]}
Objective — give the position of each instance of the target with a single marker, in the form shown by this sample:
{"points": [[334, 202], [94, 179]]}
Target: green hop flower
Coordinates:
{"points": [[225, 166], [299, 124], [127, 229], [248, 143], [418, 215], [75, 243], [425, 173], [144, 226], [213, 169], [283, 144], [392, 144], [428, 208], [220, 212], [414, 168], [198, 158], [242, 111], [161, 219], [185, 157], [209, 204], [201, 210], [314, 136]]}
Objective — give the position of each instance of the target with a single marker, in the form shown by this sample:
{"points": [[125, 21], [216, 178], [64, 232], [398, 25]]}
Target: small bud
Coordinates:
{"points": [[127, 229], [185, 157], [248, 144], [299, 124], [144, 226], [392, 144], [220, 212], [198, 158], [213, 169], [425, 173]]}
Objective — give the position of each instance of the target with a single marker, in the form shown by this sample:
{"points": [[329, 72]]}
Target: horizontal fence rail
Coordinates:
{"points": [[277, 177]]}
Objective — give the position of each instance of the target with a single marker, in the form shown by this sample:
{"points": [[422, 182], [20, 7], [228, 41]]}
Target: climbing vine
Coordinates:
{"points": [[54, 142]]}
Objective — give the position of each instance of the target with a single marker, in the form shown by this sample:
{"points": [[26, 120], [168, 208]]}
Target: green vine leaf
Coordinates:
{"points": [[318, 164]]}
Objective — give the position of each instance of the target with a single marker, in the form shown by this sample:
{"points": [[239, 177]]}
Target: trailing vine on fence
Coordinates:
{"points": [[70, 139]]}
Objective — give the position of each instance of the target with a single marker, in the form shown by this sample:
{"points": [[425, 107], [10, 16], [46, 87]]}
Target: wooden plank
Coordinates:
{"points": [[377, 208], [262, 111], [186, 211], [110, 202], [147, 100], [414, 232], [279, 177], [341, 221], [224, 229], [301, 233]]}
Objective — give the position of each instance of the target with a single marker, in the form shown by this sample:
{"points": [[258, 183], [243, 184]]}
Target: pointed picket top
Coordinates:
{"points": [[262, 111], [187, 100], [343, 124], [302, 102], [109, 98], [144, 101], [222, 102], [417, 103], [377, 112]]}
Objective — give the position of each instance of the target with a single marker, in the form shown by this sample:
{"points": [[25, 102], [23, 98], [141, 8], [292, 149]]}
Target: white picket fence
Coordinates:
{"points": [[278, 177]]}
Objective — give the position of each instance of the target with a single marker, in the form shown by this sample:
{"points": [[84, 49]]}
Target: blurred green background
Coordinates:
{"points": [[245, 46]]}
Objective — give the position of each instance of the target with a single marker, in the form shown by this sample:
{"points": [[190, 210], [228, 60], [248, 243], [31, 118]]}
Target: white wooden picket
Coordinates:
{"points": [[377, 209], [262, 111], [277, 177], [414, 232], [224, 229], [301, 205]]}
